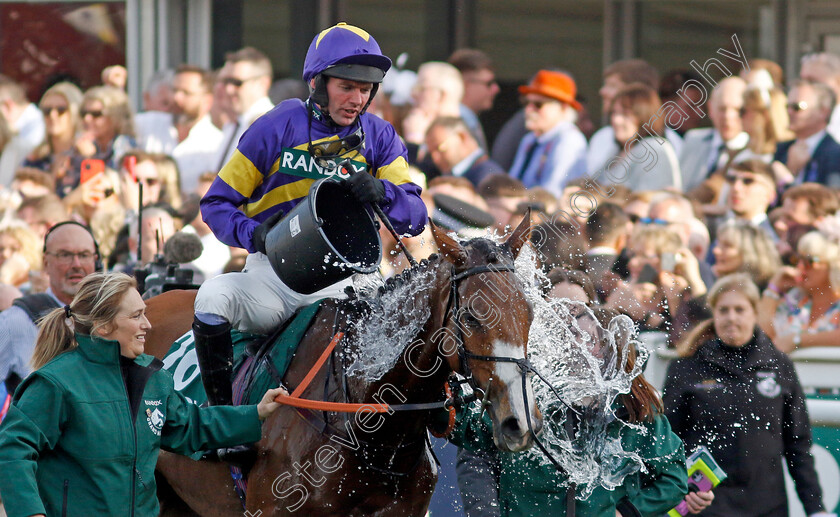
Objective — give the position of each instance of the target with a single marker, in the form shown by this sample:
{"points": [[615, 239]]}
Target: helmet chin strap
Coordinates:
{"points": [[319, 96]]}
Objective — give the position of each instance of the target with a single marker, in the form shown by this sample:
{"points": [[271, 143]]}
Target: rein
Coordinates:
{"points": [[525, 367]]}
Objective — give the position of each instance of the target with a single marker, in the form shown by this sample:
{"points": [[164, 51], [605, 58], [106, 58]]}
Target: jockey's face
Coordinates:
{"points": [[347, 98]]}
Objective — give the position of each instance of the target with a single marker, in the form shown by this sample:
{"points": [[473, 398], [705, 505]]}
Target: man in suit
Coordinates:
{"points": [[824, 67], [480, 88], [456, 152], [708, 149], [814, 156], [752, 189], [554, 150]]}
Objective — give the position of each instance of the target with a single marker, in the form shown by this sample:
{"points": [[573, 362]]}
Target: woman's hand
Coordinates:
{"points": [[267, 405], [85, 145], [699, 501], [785, 279], [784, 342]]}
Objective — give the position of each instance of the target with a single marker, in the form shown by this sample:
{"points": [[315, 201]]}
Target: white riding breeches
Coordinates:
{"points": [[256, 300]]}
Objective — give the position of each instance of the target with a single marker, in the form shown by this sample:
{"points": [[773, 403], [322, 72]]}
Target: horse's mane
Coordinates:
{"points": [[485, 248]]}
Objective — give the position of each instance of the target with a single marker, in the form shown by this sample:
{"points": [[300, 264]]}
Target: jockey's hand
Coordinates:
{"points": [[366, 188], [267, 405], [261, 231]]}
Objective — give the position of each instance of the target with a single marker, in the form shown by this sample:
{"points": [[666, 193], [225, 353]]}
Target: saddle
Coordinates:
{"points": [[260, 361]]}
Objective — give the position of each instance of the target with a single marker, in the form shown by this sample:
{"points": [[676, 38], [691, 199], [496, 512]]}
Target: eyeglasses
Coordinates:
{"points": [[92, 113], [804, 260], [66, 257], [61, 110], [797, 106], [237, 83]]}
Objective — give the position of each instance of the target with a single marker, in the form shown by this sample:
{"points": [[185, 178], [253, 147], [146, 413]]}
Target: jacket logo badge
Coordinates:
{"points": [[155, 420], [767, 385]]}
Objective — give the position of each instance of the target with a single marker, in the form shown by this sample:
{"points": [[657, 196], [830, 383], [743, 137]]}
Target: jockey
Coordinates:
{"points": [[275, 163]]}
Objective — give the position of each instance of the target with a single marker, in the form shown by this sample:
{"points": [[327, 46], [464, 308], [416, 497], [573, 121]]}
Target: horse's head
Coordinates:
{"points": [[490, 317]]}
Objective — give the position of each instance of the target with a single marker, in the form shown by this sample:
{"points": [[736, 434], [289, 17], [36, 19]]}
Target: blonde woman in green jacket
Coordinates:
{"points": [[83, 434], [530, 485]]}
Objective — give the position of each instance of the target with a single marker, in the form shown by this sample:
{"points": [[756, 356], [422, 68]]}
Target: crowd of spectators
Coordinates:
{"points": [[644, 214]]}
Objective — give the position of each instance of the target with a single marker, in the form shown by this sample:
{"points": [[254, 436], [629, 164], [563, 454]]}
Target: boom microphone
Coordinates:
{"points": [[182, 248]]}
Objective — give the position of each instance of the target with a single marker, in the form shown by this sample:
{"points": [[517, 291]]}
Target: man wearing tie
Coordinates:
{"points": [[814, 156], [554, 150], [706, 150]]}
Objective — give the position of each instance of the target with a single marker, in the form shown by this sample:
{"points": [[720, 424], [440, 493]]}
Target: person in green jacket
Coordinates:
{"points": [[85, 428], [530, 485]]}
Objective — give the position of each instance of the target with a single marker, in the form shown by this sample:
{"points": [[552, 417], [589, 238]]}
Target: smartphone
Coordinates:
{"points": [[130, 163], [90, 168], [669, 261], [648, 275]]}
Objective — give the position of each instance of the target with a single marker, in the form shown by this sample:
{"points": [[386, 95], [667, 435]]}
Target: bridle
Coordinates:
{"points": [[453, 308]]}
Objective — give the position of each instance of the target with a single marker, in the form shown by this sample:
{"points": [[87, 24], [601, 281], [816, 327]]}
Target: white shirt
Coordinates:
{"points": [[464, 165], [29, 133], [814, 140], [834, 123], [603, 147], [156, 132], [197, 153], [233, 130], [738, 142]]}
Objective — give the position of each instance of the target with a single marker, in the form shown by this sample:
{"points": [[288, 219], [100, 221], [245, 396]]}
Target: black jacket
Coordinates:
{"points": [[824, 165], [749, 411]]}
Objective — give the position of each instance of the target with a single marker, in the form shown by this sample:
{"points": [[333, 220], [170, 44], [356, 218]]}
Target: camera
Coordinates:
{"points": [[161, 276]]}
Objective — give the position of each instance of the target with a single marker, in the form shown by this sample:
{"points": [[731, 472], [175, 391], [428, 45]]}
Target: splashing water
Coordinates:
{"points": [[396, 318], [576, 355]]}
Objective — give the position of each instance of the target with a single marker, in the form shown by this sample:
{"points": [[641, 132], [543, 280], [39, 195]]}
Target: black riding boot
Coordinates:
{"points": [[214, 351]]}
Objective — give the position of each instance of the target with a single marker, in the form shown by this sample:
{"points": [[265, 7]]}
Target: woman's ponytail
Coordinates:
{"points": [[54, 338]]}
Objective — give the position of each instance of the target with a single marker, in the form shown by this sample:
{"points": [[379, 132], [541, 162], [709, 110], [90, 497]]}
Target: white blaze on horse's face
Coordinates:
{"points": [[510, 424]]}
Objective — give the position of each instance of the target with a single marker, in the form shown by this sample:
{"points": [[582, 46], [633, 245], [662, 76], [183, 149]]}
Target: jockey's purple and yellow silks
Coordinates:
{"points": [[271, 170]]}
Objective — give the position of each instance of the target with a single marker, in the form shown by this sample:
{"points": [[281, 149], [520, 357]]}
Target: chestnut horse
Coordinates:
{"points": [[476, 323]]}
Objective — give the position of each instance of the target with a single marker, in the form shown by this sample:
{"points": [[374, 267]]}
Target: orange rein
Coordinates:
{"points": [[341, 407]]}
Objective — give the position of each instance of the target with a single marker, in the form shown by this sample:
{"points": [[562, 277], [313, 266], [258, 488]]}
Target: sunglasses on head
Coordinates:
{"points": [[61, 110], [92, 113]]}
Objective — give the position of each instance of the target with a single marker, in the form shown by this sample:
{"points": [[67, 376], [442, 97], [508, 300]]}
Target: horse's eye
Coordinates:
{"points": [[469, 320]]}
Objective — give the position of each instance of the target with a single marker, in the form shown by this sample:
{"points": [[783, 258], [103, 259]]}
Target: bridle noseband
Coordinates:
{"points": [[453, 308]]}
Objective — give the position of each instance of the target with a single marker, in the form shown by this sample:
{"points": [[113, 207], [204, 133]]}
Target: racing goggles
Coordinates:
{"points": [[328, 153]]}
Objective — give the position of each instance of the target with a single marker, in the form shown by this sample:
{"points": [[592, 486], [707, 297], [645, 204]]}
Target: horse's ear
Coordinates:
{"points": [[520, 235], [447, 246]]}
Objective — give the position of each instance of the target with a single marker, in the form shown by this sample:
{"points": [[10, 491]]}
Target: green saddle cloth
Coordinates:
{"points": [[182, 363]]}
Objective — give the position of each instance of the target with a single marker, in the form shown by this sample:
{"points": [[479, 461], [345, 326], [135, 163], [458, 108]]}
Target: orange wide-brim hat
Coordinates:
{"points": [[556, 85]]}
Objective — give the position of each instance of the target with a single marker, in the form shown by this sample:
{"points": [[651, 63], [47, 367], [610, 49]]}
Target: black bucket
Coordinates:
{"points": [[326, 238]]}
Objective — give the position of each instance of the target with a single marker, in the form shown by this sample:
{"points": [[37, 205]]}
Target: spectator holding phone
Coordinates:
{"points": [[663, 274], [107, 126], [60, 105], [735, 393]]}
